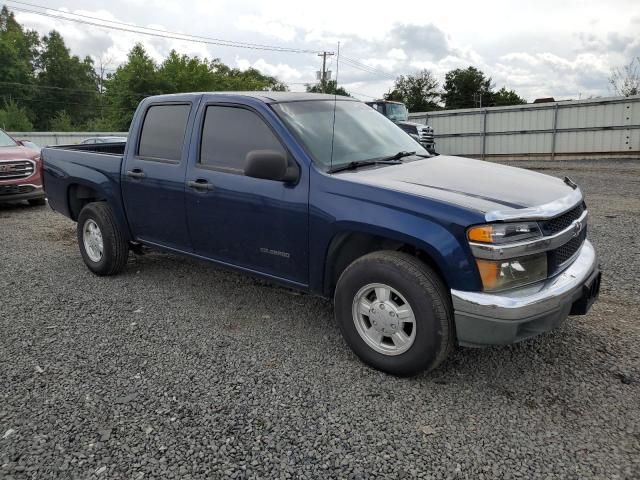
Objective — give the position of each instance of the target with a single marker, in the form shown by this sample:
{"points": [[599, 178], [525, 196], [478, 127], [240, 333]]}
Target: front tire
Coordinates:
{"points": [[103, 246], [395, 313]]}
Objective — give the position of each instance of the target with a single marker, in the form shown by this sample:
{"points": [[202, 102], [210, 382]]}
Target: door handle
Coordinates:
{"points": [[136, 173], [200, 184]]}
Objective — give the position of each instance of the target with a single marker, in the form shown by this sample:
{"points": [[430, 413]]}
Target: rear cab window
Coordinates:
{"points": [[163, 132]]}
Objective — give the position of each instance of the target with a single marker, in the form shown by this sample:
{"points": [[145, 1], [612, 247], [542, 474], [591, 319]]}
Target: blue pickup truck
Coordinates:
{"points": [[419, 253]]}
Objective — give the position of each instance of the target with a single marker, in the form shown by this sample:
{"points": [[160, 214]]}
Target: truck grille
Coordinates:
{"points": [[16, 169], [15, 189], [557, 259], [559, 223], [425, 135]]}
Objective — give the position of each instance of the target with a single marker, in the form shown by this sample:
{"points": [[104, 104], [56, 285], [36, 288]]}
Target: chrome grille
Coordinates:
{"points": [[16, 169], [425, 134], [559, 223], [559, 257]]}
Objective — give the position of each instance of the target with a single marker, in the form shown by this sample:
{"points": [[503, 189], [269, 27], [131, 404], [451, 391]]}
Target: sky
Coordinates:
{"points": [[563, 49]]}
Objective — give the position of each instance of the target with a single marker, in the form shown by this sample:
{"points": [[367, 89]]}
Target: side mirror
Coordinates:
{"points": [[269, 165]]}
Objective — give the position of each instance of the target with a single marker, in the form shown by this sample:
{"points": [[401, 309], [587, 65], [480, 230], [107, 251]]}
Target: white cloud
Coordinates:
{"points": [[397, 54], [539, 48], [280, 70], [270, 28]]}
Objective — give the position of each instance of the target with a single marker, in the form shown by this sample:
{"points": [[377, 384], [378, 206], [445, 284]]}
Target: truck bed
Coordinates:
{"points": [[69, 167], [116, 148]]}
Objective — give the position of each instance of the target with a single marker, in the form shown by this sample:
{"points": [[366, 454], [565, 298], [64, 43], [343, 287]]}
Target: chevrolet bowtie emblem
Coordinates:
{"points": [[577, 228]]}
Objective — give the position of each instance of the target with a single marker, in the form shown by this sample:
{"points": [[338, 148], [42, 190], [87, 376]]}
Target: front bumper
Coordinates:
{"points": [[20, 192], [509, 317]]}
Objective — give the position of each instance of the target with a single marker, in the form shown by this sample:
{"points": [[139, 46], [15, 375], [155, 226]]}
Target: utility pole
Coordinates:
{"points": [[323, 73]]}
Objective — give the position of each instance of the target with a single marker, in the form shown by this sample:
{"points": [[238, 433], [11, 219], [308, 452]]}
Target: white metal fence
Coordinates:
{"points": [[603, 127], [44, 139]]}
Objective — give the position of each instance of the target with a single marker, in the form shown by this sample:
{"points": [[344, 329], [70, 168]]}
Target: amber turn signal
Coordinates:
{"points": [[482, 234]]}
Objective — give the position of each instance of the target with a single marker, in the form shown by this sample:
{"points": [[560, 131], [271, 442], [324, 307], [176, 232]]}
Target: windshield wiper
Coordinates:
{"points": [[390, 160], [398, 156], [362, 163]]}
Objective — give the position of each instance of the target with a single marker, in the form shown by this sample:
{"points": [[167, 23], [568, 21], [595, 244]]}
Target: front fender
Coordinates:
{"points": [[437, 229]]}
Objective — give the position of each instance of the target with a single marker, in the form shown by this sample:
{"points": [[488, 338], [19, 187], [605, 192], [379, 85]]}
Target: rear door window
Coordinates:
{"points": [[163, 132]]}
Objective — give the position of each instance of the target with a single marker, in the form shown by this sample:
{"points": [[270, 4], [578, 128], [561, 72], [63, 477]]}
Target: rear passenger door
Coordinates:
{"points": [[257, 224], [153, 179]]}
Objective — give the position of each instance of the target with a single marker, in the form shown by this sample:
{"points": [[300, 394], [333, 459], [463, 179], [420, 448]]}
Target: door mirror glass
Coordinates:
{"points": [[269, 165]]}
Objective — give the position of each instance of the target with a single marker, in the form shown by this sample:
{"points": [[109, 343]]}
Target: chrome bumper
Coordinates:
{"points": [[36, 192], [508, 317]]}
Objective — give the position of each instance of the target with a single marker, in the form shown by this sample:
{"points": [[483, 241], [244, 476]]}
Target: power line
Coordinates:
{"points": [[113, 25], [148, 31], [367, 68]]}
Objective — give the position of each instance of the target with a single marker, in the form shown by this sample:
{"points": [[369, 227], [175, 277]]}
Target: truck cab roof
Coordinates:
{"points": [[263, 96]]}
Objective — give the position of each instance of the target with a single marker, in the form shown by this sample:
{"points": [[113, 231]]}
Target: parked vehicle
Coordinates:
{"points": [[418, 252], [92, 140], [20, 172], [31, 145], [397, 112]]}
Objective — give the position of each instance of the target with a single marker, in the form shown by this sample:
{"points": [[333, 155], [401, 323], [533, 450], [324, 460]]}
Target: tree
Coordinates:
{"points": [[64, 83], [418, 92], [330, 87], [467, 88], [131, 82], [504, 97], [14, 117], [18, 53], [61, 122], [626, 81]]}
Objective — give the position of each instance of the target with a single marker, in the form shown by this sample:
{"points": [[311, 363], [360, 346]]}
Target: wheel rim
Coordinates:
{"points": [[384, 319], [92, 238]]}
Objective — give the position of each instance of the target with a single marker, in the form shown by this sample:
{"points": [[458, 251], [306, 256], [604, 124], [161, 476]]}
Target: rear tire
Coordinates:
{"points": [[103, 246], [37, 202], [395, 313]]}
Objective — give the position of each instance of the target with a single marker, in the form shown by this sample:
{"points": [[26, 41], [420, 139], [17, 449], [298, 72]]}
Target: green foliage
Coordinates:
{"points": [[132, 81], [504, 97], [18, 54], [14, 117], [140, 77], [418, 92], [65, 83], [100, 124], [56, 88], [61, 122], [466, 88], [471, 88], [330, 87]]}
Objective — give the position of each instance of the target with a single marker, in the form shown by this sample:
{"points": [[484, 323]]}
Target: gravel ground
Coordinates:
{"points": [[177, 369]]}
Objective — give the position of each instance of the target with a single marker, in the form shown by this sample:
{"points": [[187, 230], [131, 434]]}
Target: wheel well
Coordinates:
{"points": [[345, 248], [79, 196]]}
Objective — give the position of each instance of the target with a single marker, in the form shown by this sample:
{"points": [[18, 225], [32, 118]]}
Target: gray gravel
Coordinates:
{"points": [[176, 369]]}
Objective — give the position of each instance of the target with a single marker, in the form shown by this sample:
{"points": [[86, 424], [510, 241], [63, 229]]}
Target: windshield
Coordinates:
{"points": [[397, 112], [361, 133], [6, 140]]}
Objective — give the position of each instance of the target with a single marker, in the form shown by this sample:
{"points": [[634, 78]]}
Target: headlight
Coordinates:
{"points": [[513, 272], [500, 233]]}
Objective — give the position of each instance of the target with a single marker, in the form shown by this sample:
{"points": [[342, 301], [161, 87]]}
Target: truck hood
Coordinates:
{"points": [[473, 184], [17, 153], [412, 124]]}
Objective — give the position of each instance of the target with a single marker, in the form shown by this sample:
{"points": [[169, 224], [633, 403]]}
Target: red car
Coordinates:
{"points": [[20, 172]]}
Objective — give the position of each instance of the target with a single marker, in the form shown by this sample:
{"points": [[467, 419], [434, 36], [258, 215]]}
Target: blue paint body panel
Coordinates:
{"points": [[284, 232]]}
